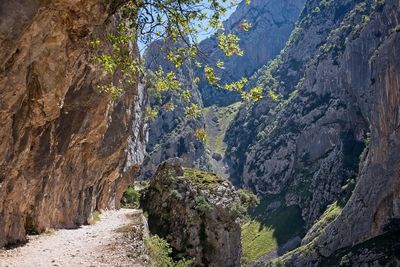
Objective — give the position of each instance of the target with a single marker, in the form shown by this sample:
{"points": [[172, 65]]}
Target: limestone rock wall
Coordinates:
{"points": [[373, 72], [271, 21], [171, 135], [308, 144], [195, 212], [65, 149], [337, 122]]}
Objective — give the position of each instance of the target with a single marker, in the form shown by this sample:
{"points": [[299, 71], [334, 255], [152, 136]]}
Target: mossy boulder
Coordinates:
{"points": [[196, 212]]}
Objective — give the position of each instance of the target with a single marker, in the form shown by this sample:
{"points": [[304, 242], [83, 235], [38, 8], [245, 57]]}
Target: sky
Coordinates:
{"points": [[202, 34]]}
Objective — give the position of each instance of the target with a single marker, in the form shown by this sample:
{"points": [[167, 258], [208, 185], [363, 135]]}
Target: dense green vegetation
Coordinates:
{"points": [[248, 199], [331, 212], [223, 117], [160, 252], [130, 198], [202, 205], [263, 233], [202, 179]]}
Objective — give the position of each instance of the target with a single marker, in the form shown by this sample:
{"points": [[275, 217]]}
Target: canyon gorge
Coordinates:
{"points": [[307, 175]]}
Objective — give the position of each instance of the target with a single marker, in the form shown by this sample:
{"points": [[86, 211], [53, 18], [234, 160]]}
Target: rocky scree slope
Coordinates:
{"points": [[66, 149], [333, 130], [196, 212]]}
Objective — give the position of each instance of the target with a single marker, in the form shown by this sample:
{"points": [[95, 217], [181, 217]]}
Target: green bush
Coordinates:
{"points": [[176, 194], [248, 199], [130, 198], [160, 253], [202, 205]]}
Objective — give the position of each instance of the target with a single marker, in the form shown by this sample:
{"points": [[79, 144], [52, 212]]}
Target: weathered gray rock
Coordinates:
{"points": [[373, 72], [272, 22], [196, 212], [339, 80], [307, 145], [170, 135], [65, 149]]}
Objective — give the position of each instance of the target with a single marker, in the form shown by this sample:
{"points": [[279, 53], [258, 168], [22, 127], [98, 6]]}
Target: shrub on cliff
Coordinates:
{"points": [[202, 204], [247, 198], [160, 253], [130, 198]]}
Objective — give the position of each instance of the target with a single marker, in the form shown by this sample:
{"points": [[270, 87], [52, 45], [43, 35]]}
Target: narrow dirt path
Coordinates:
{"points": [[115, 240]]}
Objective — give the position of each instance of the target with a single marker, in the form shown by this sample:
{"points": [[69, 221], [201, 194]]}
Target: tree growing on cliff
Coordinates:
{"points": [[180, 21]]}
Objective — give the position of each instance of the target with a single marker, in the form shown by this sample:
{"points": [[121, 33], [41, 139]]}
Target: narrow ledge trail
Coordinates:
{"points": [[115, 240]]}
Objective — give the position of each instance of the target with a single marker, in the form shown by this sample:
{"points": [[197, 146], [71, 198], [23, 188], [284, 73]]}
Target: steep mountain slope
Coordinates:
{"points": [[333, 129], [170, 135], [65, 148], [314, 135], [271, 21], [373, 208]]}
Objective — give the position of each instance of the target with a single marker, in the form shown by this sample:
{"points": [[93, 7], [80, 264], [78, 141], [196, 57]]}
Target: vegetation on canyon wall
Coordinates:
{"points": [[180, 23], [303, 172]]}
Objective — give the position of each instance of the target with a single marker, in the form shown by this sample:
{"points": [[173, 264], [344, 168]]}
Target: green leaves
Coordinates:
{"points": [[246, 25], [220, 64], [255, 94], [210, 75], [273, 95], [108, 63], [115, 59], [179, 22], [185, 96], [151, 113], [111, 90], [229, 44], [193, 111], [236, 86], [166, 81], [160, 251]]}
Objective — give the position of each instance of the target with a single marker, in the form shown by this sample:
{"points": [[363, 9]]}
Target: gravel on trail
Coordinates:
{"points": [[115, 240]]}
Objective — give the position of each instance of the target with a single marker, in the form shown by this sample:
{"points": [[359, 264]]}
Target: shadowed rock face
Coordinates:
{"points": [[65, 149], [373, 72], [196, 212]]}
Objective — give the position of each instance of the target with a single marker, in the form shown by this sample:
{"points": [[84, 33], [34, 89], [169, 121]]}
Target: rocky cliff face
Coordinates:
{"points": [[196, 212], [171, 135], [373, 73], [308, 143], [335, 125], [65, 148], [271, 21]]}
